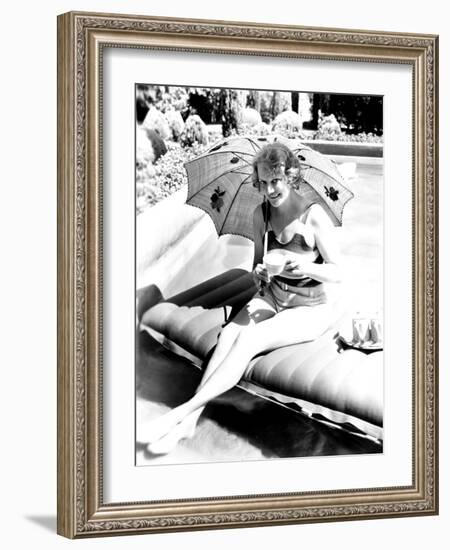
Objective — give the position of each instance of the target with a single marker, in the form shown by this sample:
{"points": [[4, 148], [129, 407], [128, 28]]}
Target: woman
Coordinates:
{"points": [[292, 307]]}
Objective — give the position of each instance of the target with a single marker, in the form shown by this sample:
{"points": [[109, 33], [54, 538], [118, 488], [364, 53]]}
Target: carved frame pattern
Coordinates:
{"points": [[80, 508]]}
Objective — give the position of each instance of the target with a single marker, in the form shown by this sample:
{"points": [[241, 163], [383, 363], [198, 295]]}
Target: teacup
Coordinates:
{"points": [[361, 330], [274, 262], [376, 330]]}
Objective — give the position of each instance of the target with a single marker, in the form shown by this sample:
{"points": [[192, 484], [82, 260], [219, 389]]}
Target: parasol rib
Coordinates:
{"points": [[215, 179], [321, 171], [231, 205], [232, 171], [205, 155]]}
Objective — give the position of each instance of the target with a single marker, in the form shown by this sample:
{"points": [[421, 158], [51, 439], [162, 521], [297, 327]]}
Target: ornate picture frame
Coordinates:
{"points": [[82, 40]]}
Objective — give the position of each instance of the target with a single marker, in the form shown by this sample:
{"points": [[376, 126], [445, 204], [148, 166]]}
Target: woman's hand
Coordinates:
{"points": [[293, 268], [261, 278], [261, 275]]}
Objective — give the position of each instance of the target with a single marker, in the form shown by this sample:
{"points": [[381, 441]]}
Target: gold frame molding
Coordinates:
{"points": [[81, 37]]}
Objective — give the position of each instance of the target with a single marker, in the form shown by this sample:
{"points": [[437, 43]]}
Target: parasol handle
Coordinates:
{"points": [[265, 245], [266, 223]]}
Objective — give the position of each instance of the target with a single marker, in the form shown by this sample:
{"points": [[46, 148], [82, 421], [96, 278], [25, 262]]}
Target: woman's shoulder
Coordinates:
{"points": [[316, 215]]}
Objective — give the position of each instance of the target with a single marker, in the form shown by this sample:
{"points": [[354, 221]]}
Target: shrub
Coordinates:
{"points": [[144, 149], [195, 131], [250, 117], [175, 99], [166, 176], [261, 129], [328, 125], [155, 120], [352, 138], [176, 124], [289, 124]]}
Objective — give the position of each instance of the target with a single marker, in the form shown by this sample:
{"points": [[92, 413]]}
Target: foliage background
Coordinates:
{"points": [[175, 124]]}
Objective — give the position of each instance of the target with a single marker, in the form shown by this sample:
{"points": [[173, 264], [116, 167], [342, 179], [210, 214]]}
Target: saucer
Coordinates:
{"points": [[366, 346]]}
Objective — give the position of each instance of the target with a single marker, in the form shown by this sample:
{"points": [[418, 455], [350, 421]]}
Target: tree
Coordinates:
{"points": [[355, 112]]}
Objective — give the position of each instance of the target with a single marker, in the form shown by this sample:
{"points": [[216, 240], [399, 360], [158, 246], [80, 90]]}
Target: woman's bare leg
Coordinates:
{"points": [[288, 327], [186, 428], [255, 311], [248, 315], [181, 421]]}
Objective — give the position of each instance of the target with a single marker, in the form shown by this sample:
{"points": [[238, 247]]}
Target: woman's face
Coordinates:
{"points": [[274, 184]]}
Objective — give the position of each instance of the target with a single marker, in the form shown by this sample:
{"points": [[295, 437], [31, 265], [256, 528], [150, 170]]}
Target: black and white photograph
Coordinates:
{"points": [[259, 274], [247, 275]]}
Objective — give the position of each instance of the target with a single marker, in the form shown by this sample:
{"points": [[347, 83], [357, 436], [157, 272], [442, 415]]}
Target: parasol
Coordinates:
{"points": [[220, 182]]}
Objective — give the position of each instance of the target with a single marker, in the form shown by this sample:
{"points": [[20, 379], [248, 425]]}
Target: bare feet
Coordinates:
{"points": [[183, 430], [161, 426]]}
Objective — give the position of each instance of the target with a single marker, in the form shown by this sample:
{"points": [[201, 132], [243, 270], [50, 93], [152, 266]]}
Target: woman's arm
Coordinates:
{"points": [[324, 233], [258, 235]]}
